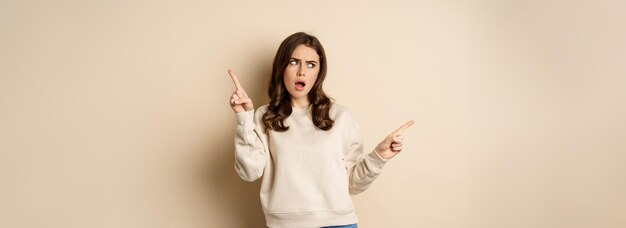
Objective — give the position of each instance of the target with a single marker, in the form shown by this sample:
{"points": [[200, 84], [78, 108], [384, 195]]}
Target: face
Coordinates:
{"points": [[301, 73]]}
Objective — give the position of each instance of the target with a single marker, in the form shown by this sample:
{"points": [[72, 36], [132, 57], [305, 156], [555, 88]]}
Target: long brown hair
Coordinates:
{"points": [[279, 107]]}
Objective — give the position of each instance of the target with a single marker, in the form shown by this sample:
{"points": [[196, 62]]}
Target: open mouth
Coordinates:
{"points": [[300, 85]]}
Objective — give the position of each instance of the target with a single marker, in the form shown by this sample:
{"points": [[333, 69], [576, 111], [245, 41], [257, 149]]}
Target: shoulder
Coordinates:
{"points": [[344, 119], [260, 111], [338, 111], [263, 108]]}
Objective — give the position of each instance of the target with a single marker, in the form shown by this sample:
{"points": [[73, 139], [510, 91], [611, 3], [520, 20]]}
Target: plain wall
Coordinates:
{"points": [[115, 114]]}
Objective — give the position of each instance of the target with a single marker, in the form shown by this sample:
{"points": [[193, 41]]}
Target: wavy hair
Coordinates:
{"points": [[279, 107]]}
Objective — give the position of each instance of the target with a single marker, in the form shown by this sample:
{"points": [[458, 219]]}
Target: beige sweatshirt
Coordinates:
{"points": [[308, 174]]}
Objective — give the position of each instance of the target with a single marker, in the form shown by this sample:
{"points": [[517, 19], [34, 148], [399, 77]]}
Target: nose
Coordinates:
{"points": [[301, 71]]}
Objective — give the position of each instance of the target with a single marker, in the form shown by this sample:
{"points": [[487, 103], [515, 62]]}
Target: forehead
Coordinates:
{"points": [[305, 53]]}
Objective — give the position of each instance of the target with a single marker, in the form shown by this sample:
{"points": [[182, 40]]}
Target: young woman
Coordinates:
{"points": [[308, 149]]}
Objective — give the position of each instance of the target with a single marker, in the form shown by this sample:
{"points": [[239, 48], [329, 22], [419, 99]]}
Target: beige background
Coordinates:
{"points": [[114, 113]]}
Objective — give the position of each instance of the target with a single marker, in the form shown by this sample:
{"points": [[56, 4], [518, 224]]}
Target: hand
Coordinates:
{"points": [[239, 101], [392, 144]]}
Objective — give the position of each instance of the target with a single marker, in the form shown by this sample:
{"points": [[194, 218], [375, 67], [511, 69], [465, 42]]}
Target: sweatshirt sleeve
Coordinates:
{"points": [[362, 168], [250, 152]]}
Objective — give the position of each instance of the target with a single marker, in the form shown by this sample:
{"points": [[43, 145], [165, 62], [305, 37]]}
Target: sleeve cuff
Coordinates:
{"points": [[245, 118], [378, 156], [376, 160]]}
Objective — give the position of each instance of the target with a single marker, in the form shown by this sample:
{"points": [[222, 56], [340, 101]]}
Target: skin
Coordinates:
{"points": [[304, 66]]}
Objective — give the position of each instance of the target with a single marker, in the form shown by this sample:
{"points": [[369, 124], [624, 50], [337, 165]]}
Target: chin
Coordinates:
{"points": [[299, 94]]}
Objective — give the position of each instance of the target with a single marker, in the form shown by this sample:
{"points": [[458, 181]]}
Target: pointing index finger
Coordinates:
{"points": [[235, 80], [403, 127]]}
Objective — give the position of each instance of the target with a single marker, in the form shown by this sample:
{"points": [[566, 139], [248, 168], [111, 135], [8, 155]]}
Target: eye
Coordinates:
{"points": [[293, 62], [310, 65]]}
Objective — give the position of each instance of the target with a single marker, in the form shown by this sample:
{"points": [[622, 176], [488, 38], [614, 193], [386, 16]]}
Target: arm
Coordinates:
{"points": [[250, 153], [362, 168]]}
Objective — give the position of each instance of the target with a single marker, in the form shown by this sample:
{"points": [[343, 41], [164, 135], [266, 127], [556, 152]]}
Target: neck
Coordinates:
{"points": [[302, 102]]}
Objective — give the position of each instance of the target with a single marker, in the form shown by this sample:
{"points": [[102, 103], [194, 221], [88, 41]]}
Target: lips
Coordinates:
{"points": [[300, 85]]}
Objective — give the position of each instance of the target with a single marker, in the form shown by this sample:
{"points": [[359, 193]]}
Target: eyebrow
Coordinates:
{"points": [[312, 61]]}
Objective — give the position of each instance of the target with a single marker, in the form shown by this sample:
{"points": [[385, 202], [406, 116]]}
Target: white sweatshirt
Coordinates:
{"points": [[308, 174]]}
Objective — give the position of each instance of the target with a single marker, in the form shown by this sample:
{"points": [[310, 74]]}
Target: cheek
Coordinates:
{"points": [[314, 73], [290, 73], [286, 75]]}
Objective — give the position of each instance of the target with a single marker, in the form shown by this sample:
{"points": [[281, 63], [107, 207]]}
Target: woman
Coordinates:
{"points": [[308, 149]]}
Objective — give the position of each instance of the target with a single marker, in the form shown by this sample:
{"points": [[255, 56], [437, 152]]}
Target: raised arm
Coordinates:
{"points": [[250, 151]]}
